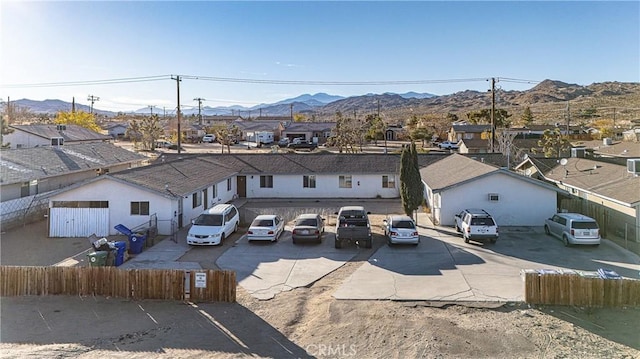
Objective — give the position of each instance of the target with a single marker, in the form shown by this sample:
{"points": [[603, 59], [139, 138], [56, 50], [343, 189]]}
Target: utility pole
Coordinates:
{"points": [[568, 118], [151, 108], [384, 128], [199, 109], [73, 105], [291, 109], [493, 114], [164, 110], [93, 99], [177, 78]]}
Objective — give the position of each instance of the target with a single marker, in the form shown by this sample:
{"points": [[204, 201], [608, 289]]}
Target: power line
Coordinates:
{"points": [[90, 82]]}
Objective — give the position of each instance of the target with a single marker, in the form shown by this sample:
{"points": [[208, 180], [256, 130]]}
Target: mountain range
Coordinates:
{"points": [[549, 100]]}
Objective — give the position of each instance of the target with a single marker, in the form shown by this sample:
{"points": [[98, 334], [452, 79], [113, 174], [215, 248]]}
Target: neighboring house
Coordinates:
{"points": [[610, 148], [250, 127], [31, 171], [211, 121], [457, 182], [605, 189], [473, 145], [27, 136], [632, 135], [395, 133], [116, 130], [316, 132], [459, 132], [176, 191]]}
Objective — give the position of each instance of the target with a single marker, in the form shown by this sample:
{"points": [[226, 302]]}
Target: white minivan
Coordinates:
{"points": [[214, 225]]}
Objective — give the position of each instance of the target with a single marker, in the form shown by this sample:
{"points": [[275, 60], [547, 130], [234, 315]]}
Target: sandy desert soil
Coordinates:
{"points": [[309, 322]]}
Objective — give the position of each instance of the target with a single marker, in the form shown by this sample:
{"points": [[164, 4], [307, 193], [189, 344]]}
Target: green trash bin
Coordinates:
{"points": [[98, 259]]}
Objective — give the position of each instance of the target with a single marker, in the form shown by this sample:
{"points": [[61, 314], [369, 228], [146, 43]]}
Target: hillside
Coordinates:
{"points": [[548, 102]]}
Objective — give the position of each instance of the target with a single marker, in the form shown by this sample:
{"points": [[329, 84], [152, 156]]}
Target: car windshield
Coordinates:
{"points": [[208, 220], [403, 224], [585, 225], [306, 222], [262, 223], [482, 221]]}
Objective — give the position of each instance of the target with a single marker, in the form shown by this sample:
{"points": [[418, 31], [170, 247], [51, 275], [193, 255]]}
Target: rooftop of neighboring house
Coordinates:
{"points": [[452, 170], [264, 125], [607, 179], [470, 128], [310, 126], [627, 149], [26, 164], [70, 133]]}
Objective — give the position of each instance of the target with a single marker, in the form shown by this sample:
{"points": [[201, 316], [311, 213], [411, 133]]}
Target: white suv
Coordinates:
{"points": [[214, 225], [476, 224], [573, 228]]}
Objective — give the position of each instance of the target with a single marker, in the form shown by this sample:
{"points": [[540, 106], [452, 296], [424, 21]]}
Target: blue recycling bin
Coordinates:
{"points": [[136, 243], [121, 247], [136, 240]]}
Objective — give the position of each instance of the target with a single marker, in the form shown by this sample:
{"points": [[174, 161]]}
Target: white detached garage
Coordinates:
{"points": [[457, 182]]}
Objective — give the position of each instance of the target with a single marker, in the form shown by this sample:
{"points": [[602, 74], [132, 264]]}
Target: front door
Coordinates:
{"points": [[242, 186]]}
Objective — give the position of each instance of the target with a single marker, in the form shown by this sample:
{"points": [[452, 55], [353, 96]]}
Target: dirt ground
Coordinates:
{"points": [[308, 322]]}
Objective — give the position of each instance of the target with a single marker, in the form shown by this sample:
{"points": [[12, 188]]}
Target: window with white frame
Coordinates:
{"points": [[266, 181], [494, 197], [139, 208], [388, 181], [344, 181], [228, 184], [309, 181]]}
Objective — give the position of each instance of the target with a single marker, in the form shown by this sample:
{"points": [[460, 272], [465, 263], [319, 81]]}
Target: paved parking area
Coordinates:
{"points": [[443, 267], [265, 268]]}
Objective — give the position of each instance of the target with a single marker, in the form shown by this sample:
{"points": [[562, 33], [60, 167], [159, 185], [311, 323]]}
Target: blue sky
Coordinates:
{"points": [[311, 43]]}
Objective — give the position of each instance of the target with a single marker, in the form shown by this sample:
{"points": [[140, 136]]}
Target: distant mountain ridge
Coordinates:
{"points": [[547, 99]]}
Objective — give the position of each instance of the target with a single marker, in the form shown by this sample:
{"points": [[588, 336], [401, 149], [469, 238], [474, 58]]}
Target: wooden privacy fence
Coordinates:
{"points": [[578, 290], [136, 284]]}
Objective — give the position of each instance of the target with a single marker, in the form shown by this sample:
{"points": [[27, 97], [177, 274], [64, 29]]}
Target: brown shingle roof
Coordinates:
{"points": [[453, 170]]}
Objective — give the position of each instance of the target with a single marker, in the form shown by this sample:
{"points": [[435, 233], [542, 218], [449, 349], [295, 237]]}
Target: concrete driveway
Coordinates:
{"points": [[265, 268], [443, 267]]}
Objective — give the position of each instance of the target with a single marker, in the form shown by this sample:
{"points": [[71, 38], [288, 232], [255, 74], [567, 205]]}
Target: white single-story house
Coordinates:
{"points": [[177, 191], [458, 182], [26, 136]]}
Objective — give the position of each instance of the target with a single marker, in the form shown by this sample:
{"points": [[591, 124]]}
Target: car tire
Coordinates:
{"points": [[389, 242], [222, 238], [466, 240], [368, 243], [337, 243], [565, 240], [546, 230], [458, 229], [294, 241], [493, 241]]}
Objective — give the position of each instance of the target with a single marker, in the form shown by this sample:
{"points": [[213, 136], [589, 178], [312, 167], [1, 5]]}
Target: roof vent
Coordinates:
{"points": [[57, 141], [61, 127], [607, 141], [633, 166]]}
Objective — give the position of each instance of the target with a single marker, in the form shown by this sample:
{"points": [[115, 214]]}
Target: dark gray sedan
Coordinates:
{"points": [[308, 227]]}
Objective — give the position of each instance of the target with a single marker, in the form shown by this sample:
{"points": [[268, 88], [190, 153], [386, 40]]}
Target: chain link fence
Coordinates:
{"points": [[21, 211]]}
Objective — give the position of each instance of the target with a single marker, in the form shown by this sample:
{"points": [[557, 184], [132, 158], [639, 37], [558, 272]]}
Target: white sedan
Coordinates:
{"points": [[265, 227], [400, 229]]}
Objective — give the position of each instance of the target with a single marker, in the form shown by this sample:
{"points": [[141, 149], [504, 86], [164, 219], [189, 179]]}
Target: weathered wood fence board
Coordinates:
{"points": [[572, 289], [110, 281]]}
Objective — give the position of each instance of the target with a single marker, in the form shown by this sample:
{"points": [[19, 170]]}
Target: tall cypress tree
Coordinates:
{"points": [[411, 189]]}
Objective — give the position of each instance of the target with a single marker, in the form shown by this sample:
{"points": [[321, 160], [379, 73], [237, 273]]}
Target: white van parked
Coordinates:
{"points": [[214, 225]]}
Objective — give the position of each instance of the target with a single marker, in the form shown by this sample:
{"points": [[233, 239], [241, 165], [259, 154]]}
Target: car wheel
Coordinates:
{"points": [[458, 229], [493, 241], [389, 242], [565, 240], [466, 240], [337, 243], [294, 241], [235, 228], [222, 238], [368, 243], [546, 230]]}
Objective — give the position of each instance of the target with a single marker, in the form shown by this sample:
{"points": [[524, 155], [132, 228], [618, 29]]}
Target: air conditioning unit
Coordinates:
{"points": [[57, 141], [607, 141], [633, 166]]}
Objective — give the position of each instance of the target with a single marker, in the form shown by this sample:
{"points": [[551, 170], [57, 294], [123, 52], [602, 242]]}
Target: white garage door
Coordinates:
{"points": [[78, 222]]}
